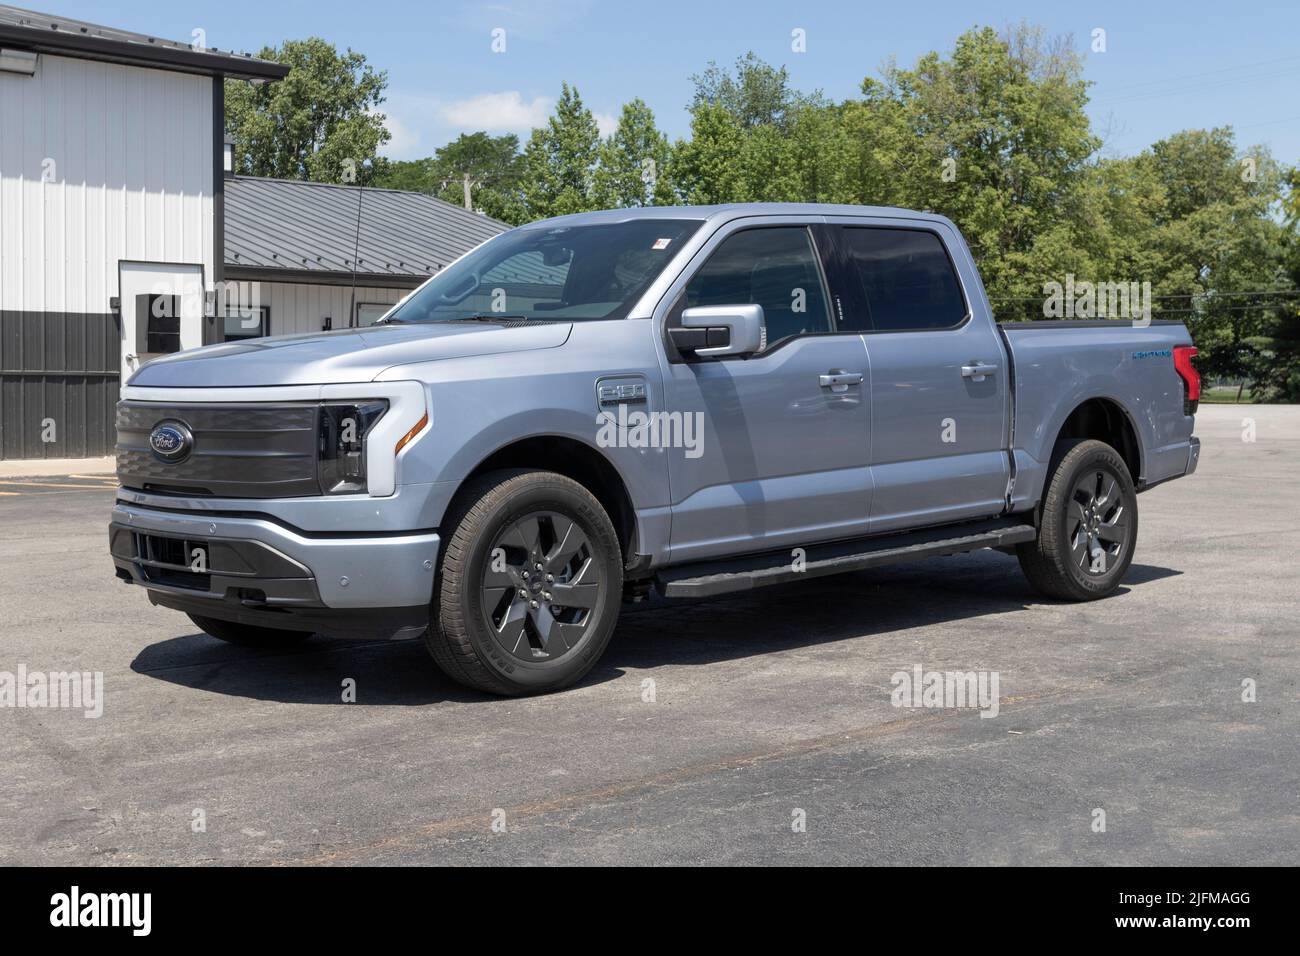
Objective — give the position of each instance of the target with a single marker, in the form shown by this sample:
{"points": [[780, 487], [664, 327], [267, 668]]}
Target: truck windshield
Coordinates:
{"points": [[568, 273]]}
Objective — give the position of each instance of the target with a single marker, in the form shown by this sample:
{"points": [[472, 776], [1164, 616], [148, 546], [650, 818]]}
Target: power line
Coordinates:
{"points": [[1225, 69], [1198, 87]]}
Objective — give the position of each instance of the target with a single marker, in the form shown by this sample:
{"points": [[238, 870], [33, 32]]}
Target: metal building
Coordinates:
{"points": [[319, 256], [121, 228]]}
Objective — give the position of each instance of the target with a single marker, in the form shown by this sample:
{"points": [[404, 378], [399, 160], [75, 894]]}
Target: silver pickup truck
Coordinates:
{"points": [[690, 401]]}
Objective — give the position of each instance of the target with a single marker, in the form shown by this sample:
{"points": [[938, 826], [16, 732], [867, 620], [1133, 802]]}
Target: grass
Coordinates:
{"points": [[1225, 395]]}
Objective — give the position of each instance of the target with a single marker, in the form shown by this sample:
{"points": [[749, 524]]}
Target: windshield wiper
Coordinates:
{"points": [[492, 317]]}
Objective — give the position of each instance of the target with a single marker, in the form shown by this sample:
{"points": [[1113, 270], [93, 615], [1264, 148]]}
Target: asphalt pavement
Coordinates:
{"points": [[758, 729]]}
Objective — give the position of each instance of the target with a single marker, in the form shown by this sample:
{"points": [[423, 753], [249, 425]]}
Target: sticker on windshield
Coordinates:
{"points": [[661, 244]]}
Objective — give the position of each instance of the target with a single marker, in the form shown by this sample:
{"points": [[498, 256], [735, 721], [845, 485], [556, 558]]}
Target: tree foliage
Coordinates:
{"points": [[993, 134], [492, 163], [560, 160], [318, 123], [632, 165]]}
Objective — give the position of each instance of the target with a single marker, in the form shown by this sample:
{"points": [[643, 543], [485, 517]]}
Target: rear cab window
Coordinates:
{"points": [[906, 278]]}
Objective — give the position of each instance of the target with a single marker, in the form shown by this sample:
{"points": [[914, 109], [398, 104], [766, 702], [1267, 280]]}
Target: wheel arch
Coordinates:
{"points": [[1107, 420], [577, 460]]}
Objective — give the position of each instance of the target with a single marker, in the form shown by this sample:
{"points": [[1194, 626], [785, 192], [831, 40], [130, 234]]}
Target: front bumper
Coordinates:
{"points": [[257, 571]]}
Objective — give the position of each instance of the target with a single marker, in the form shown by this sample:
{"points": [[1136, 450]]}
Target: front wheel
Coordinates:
{"points": [[530, 585], [1088, 527]]}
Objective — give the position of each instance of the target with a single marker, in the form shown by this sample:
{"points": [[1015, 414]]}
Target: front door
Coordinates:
{"points": [[938, 377], [162, 308], [783, 458]]}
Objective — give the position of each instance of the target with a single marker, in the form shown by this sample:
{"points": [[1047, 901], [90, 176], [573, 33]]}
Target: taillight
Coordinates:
{"points": [[1183, 355]]}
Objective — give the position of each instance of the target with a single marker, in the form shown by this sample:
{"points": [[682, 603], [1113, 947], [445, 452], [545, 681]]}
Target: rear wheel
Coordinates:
{"points": [[530, 584], [247, 635], [1088, 527]]}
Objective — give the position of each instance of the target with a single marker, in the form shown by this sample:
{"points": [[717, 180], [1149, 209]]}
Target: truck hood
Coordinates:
{"points": [[349, 355]]}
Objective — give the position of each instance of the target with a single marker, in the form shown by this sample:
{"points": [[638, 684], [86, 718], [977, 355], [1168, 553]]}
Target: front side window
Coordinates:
{"points": [[907, 278], [568, 273], [773, 267]]}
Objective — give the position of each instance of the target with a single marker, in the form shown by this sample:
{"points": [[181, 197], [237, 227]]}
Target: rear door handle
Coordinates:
{"points": [[838, 380], [977, 370]]}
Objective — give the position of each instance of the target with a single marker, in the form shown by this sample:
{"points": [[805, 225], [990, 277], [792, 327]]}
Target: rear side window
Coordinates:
{"points": [[775, 267], [907, 278]]}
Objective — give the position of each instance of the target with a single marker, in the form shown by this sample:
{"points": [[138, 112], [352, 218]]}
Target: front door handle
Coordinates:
{"points": [[977, 370], [838, 380]]}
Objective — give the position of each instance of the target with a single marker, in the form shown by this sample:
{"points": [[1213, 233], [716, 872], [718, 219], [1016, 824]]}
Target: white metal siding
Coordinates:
{"points": [[131, 178], [302, 308]]}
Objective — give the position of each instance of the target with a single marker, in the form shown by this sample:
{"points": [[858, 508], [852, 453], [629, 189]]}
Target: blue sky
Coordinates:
{"points": [[1167, 66]]}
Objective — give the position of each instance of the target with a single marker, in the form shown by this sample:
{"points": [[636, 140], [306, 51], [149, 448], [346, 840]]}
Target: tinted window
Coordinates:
{"points": [[907, 278], [774, 268], [552, 272]]}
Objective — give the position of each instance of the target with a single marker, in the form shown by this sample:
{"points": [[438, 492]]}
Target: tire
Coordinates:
{"points": [[488, 635], [1088, 526], [247, 635]]}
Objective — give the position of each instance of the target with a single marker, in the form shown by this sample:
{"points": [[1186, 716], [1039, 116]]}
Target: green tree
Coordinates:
{"points": [[995, 137], [705, 165], [1211, 239], [318, 123], [755, 139], [493, 165], [633, 163], [560, 159], [410, 175], [755, 93]]}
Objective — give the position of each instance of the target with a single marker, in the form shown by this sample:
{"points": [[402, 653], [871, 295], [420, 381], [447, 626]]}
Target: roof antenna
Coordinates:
{"points": [[356, 245]]}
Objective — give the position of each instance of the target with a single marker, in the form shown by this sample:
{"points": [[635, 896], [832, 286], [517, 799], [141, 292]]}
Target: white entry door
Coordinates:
{"points": [[182, 286]]}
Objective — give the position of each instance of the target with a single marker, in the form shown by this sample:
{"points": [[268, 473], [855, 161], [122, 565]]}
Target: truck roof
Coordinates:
{"points": [[727, 211]]}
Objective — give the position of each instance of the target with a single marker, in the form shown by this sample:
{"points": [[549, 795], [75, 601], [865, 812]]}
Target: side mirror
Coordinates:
{"points": [[715, 330]]}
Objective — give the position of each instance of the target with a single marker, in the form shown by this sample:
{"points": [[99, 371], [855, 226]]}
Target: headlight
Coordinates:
{"points": [[341, 445]]}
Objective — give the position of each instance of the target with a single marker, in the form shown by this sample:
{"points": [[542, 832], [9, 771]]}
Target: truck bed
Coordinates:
{"points": [[1058, 365]]}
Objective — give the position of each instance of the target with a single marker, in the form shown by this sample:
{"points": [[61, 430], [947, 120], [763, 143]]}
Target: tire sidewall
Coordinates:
{"points": [[1071, 468], [544, 675]]}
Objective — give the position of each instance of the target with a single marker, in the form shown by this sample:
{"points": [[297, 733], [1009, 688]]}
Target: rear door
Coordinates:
{"points": [[784, 455], [939, 404]]}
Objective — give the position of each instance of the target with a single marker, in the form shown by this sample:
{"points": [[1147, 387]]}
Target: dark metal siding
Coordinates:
{"points": [[60, 366]]}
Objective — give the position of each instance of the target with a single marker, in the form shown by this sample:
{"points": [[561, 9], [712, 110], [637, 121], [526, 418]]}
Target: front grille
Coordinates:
{"points": [[239, 450], [171, 561]]}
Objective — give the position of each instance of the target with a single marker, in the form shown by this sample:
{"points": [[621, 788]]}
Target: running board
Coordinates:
{"points": [[708, 578]]}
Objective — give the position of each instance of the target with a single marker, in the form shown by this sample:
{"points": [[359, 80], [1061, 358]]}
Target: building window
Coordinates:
{"points": [[244, 322], [368, 313]]}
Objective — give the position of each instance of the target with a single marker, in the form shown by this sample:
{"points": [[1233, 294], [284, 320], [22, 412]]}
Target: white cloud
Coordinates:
{"points": [[403, 139], [606, 123], [505, 112]]}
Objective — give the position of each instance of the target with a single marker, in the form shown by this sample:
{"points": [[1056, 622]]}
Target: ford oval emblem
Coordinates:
{"points": [[171, 441]]}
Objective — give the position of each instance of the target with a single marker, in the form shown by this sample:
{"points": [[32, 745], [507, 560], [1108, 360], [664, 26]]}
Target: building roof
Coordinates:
{"points": [[61, 36], [288, 230]]}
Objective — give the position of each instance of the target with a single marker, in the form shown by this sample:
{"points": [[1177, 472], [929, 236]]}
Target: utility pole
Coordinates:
{"points": [[469, 203]]}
